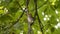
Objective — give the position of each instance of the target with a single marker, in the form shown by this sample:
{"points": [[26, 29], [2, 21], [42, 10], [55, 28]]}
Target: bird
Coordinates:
{"points": [[30, 18], [29, 15]]}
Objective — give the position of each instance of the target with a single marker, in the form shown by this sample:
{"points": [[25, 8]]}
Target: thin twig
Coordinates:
{"points": [[17, 20], [29, 25], [39, 6]]}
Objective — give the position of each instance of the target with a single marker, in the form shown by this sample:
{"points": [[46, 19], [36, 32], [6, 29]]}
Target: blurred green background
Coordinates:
{"points": [[48, 11]]}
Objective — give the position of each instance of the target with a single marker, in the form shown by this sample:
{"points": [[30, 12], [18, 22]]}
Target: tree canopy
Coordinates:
{"points": [[46, 15]]}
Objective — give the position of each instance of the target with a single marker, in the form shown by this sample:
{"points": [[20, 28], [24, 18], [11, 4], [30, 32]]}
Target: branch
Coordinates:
{"points": [[36, 13], [40, 24], [27, 2], [29, 25]]}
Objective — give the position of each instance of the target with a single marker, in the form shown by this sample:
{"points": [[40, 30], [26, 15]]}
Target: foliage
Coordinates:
{"points": [[12, 21]]}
